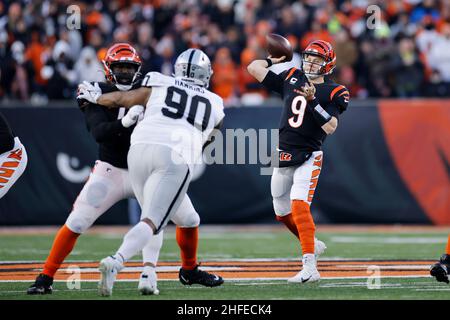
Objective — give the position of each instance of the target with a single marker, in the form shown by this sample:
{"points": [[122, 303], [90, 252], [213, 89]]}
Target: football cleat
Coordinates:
{"points": [[109, 268], [309, 273], [445, 259], [197, 276], [42, 285], [319, 247], [440, 269], [148, 283]]}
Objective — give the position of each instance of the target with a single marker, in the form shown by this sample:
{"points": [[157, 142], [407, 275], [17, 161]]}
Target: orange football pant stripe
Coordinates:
{"points": [[447, 250], [289, 223], [62, 246], [187, 239], [302, 217]]}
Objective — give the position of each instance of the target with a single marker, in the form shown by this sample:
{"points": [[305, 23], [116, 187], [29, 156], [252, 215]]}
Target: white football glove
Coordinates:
{"points": [[132, 116], [89, 92]]}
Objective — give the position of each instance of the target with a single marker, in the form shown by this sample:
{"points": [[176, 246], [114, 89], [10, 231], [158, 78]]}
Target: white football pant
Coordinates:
{"points": [[295, 183], [106, 186], [160, 178]]}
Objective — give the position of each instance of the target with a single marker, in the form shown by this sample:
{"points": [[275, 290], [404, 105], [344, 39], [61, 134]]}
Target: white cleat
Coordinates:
{"points": [[309, 273], [319, 247], [109, 268], [148, 283]]}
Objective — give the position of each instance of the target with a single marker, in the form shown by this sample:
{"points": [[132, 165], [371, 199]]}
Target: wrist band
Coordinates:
{"points": [[325, 115], [269, 62]]}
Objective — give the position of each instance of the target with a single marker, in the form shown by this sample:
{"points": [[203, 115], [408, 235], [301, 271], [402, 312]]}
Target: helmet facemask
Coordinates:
{"points": [[312, 68], [125, 74]]}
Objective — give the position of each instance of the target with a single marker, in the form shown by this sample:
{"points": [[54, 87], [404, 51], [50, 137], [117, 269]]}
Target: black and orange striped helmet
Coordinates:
{"points": [[122, 53], [324, 50]]}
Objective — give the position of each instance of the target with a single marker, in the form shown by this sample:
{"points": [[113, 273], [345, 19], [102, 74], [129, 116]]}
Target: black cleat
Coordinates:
{"points": [[439, 271], [189, 277], [445, 259], [42, 285]]}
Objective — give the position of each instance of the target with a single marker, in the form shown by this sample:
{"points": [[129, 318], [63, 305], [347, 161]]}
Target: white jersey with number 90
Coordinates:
{"points": [[178, 114]]}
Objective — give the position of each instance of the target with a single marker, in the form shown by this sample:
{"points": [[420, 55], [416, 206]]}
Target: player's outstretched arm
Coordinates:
{"points": [[93, 94], [259, 68], [125, 99]]}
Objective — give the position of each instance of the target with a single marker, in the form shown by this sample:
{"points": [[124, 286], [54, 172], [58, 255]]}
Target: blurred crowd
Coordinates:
{"points": [[398, 48]]}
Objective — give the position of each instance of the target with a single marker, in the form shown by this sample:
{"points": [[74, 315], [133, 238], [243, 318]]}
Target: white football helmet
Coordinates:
{"points": [[193, 65]]}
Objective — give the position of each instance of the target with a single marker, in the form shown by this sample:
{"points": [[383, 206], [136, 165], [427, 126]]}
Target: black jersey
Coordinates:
{"points": [[106, 127], [298, 129], [6, 136]]}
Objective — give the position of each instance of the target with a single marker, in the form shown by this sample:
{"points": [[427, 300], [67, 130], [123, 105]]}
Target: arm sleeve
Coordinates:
{"points": [[274, 82], [100, 126], [323, 114], [337, 105], [341, 99]]}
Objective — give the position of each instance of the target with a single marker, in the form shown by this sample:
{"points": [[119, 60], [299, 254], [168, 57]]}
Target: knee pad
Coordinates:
{"points": [[187, 219], [280, 186], [282, 205], [80, 220], [191, 220]]}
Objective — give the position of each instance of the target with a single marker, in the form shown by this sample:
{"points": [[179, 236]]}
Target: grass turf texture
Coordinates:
{"points": [[265, 243], [351, 289]]}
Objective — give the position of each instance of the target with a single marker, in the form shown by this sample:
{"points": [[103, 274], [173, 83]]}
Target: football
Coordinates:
{"points": [[279, 46]]}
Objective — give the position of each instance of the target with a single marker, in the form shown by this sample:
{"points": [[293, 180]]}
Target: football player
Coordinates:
{"points": [[180, 116], [312, 105], [13, 157], [109, 180], [440, 269]]}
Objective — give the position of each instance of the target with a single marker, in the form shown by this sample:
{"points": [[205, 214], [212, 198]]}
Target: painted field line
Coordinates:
{"points": [[327, 259], [235, 279], [389, 240]]}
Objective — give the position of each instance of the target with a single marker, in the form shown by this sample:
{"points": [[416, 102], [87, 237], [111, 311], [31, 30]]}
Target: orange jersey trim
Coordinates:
{"points": [[291, 72], [335, 90]]}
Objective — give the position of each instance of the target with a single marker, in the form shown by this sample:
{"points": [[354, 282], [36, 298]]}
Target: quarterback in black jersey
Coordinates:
{"points": [[13, 157], [312, 105]]}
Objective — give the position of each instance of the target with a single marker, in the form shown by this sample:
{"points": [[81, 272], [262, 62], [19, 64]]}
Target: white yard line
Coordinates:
{"points": [[389, 240], [289, 259], [237, 279]]}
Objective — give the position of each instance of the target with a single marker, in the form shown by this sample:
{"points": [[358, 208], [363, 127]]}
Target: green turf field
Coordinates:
{"points": [[223, 244]]}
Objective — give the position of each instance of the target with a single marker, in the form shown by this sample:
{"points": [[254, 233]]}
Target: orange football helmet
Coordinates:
{"points": [[122, 54], [324, 50]]}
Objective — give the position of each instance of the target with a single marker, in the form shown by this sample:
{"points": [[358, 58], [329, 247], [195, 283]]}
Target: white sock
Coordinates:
{"points": [[150, 253], [309, 258], [134, 241], [148, 269]]}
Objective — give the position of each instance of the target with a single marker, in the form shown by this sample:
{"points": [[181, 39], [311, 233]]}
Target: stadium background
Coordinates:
{"points": [[387, 163]]}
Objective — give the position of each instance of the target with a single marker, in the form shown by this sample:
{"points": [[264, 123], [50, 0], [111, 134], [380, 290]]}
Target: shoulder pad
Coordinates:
{"points": [[155, 79]]}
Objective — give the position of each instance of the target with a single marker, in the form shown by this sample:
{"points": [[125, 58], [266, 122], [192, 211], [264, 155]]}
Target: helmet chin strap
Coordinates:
{"points": [[195, 81], [123, 87]]}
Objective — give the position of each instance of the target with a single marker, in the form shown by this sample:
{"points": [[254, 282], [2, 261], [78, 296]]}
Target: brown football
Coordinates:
{"points": [[279, 46]]}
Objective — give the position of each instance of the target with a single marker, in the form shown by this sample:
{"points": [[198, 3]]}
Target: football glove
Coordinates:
{"points": [[87, 91], [132, 116]]}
